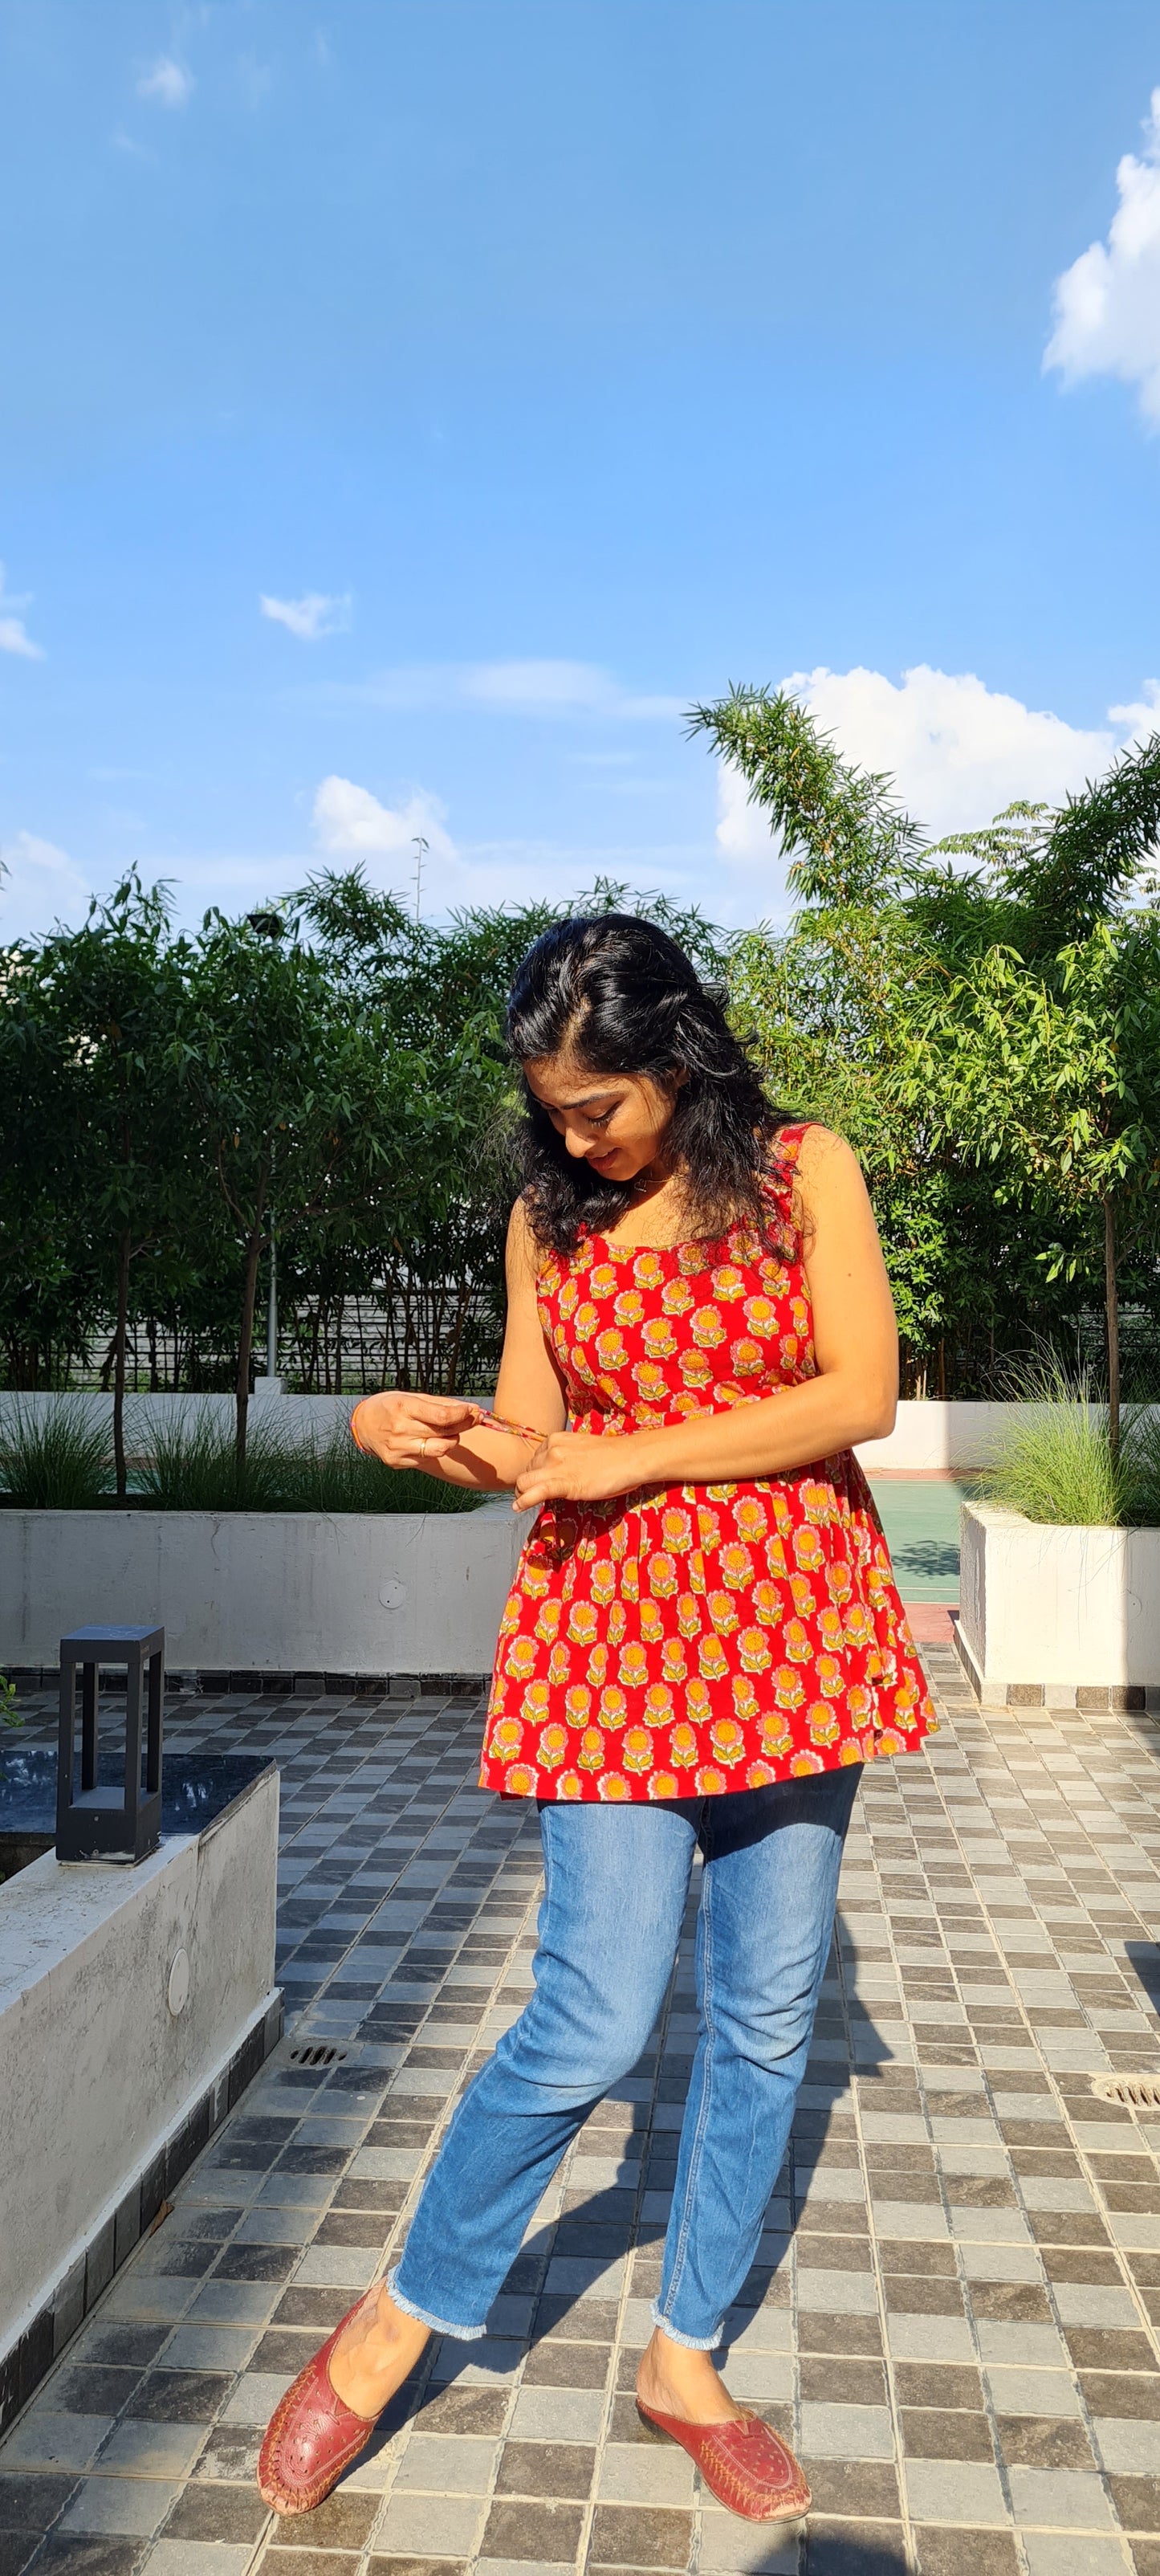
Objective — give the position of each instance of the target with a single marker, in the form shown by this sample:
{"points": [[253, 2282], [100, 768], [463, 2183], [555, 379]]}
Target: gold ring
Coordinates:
{"points": [[422, 1448]]}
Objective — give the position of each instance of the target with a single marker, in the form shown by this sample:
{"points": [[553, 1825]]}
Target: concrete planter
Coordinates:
{"points": [[135, 2005], [1059, 1617], [352, 1593]]}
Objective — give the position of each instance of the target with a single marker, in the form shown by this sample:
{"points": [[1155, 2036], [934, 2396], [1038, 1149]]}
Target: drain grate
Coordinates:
{"points": [[317, 2053], [1141, 2091]]}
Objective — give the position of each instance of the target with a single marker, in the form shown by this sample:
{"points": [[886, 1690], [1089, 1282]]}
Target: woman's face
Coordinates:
{"points": [[618, 1122]]}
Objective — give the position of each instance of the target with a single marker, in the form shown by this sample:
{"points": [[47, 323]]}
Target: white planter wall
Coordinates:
{"points": [[1065, 1611], [97, 2072], [349, 1592]]}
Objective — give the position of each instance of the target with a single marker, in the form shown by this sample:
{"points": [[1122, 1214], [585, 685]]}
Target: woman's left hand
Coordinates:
{"points": [[572, 1467]]}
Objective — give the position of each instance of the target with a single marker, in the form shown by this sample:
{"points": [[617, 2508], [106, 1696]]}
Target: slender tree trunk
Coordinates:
{"points": [[246, 1336], [120, 1338], [1112, 1320]]}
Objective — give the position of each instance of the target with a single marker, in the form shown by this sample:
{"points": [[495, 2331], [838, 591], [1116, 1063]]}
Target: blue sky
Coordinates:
{"points": [[543, 365]]}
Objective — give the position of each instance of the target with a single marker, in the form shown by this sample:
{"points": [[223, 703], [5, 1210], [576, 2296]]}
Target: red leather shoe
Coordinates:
{"points": [[744, 2462], [311, 2436]]}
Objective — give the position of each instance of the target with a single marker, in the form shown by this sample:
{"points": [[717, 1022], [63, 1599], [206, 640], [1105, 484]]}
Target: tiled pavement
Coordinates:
{"points": [[954, 2312]]}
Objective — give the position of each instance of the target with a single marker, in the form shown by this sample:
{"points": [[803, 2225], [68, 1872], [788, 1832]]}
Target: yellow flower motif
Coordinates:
{"points": [[832, 1633], [788, 1351], [559, 1667], [751, 1519], [888, 1740], [857, 1750], [633, 1667], [658, 1704], [723, 1613], [754, 1649], [800, 1315], [603, 1582], [831, 1678], [585, 1320], [776, 1740], [695, 1369], [610, 1350], [698, 1703], [652, 1626], [683, 1746], [712, 1658], [708, 1528], [689, 1615], [860, 1703], [552, 1746], [578, 1704], [513, 1613], [808, 1551], [520, 1781], [736, 1566], [823, 1725], [629, 1306], [521, 1658], [591, 1753], [598, 1667], [802, 1595], [727, 1741], [569, 1297], [664, 1784], [728, 1282], [766, 1604], [613, 1788], [582, 1623], [677, 1297], [707, 1328], [636, 1749], [662, 1576], [710, 1783], [817, 1502], [505, 1739], [548, 1620], [647, 1270], [658, 1337], [747, 1358], [839, 1581], [617, 1624], [673, 1664], [803, 1763], [677, 1531], [535, 1703], [569, 1785], [651, 1383], [789, 1690], [744, 1698], [613, 1708], [604, 1279], [760, 1315], [760, 1776]]}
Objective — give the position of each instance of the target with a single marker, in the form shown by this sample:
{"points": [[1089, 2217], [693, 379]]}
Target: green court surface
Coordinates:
{"points": [[921, 1521]]}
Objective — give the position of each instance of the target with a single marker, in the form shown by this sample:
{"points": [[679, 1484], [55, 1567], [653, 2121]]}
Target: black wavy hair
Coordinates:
{"points": [[620, 996]]}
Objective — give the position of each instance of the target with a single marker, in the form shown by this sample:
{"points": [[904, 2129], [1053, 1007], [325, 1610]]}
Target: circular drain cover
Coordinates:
{"points": [[1142, 2091], [316, 2053]]}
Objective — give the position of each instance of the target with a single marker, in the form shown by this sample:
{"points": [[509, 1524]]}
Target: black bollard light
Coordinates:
{"points": [[114, 1822]]}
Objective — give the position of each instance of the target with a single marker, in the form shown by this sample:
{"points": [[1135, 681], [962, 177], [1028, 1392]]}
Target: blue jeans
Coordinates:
{"points": [[616, 1880]]}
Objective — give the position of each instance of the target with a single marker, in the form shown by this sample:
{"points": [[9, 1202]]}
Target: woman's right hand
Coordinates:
{"points": [[413, 1430]]}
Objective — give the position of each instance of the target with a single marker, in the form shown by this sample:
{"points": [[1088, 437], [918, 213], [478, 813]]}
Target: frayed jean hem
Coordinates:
{"points": [[690, 2343], [423, 2316]]}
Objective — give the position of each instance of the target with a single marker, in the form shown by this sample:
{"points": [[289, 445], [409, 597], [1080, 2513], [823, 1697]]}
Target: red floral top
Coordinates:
{"points": [[686, 1640]]}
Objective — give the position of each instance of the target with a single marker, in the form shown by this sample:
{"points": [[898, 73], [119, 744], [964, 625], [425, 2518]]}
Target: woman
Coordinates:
{"points": [[703, 1646]]}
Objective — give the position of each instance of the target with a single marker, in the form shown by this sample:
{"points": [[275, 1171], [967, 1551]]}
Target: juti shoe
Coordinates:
{"points": [[745, 2463], [312, 2436]]}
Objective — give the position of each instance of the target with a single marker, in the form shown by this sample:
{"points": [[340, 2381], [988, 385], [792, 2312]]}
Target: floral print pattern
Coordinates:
{"points": [[689, 1640]]}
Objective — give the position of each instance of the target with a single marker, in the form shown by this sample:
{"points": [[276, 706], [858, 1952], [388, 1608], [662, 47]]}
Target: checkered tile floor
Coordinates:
{"points": [[954, 2312]]}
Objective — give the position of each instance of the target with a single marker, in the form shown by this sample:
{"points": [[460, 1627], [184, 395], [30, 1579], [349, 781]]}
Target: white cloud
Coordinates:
{"points": [[14, 637], [351, 822], [166, 81], [39, 885], [541, 687], [316, 613], [1107, 304], [957, 750]]}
